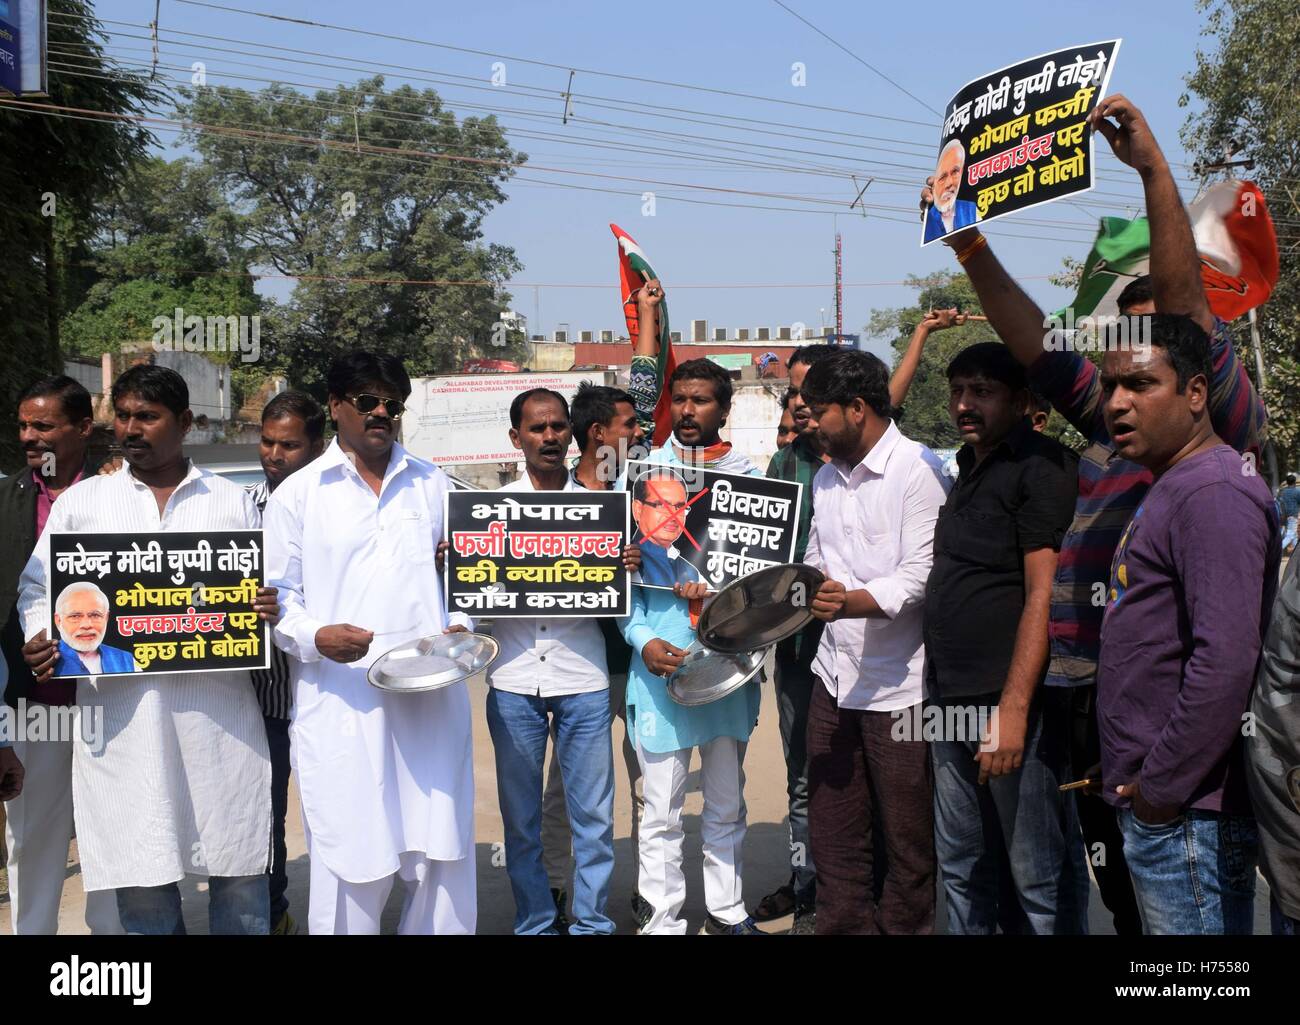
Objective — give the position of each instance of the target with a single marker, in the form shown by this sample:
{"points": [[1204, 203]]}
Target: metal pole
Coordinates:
{"points": [[1270, 454], [839, 294]]}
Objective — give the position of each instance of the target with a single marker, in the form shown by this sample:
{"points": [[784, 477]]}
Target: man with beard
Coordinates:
{"points": [[659, 629], [81, 617], [947, 213], [785, 429], [876, 505], [54, 427], [293, 434], [182, 783], [1007, 838], [552, 676], [386, 780]]}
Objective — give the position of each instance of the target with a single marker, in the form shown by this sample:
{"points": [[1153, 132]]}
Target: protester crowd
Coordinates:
{"points": [[1053, 664]]}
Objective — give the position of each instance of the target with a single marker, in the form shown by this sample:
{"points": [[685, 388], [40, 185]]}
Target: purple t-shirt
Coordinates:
{"points": [[1190, 588]]}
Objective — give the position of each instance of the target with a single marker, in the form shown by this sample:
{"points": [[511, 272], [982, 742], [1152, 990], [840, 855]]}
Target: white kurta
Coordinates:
{"points": [[380, 774], [182, 784]]}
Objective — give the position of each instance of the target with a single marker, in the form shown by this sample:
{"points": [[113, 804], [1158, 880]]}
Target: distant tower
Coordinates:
{"points": [[839, 292]]}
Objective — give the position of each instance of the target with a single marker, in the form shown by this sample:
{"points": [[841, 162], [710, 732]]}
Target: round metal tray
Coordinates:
{"points": [[433, 662], [760, 609], [706, 675]]}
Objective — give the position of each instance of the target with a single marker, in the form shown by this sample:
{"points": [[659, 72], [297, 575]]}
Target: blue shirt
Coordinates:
{"points": [[111, 660], [964, 214], [662, 724]]}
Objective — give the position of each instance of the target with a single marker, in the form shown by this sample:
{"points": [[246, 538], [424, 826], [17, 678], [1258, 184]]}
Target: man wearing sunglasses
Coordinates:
{"points": [[386, 780]]}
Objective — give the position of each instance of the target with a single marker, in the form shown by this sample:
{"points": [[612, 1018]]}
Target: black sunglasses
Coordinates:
{"points": [[369, 403]]}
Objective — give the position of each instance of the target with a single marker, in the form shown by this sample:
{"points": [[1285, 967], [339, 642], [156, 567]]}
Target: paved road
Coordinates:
{"points": [[766, 852]]}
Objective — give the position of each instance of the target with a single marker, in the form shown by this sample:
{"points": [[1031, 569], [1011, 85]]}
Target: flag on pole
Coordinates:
{"points": [[1235, 240], [634, 270]]}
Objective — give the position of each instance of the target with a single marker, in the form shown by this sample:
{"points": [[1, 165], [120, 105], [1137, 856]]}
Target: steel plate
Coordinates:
{"points": [[760, 609], [706, 675], [433, 662]]}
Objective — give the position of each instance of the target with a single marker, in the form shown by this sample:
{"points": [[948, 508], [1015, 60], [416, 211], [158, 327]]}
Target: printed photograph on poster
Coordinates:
{"points": [[1016, 138], [156, 603], [698, 525], [544, 553]]}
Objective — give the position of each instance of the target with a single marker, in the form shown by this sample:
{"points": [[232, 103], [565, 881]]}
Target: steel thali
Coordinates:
{"points": [[429, 663]]}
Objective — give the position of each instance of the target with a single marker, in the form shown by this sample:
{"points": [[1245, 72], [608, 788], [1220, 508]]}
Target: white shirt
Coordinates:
{"points": [[548, 656], [872, 529], [91, 660], [183, 781], [380, 774]]}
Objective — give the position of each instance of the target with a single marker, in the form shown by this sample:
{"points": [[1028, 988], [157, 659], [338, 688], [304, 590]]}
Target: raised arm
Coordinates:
{"points": [[1175, 266], [1012, 314], [901, 381]]}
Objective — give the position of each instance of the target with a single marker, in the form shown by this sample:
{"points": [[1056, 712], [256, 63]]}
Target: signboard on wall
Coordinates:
{"points": [[465, 418]]}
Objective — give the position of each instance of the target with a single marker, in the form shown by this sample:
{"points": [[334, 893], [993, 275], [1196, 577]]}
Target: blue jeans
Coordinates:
{"points": [[237, 906], [277, 740], [520, 731], [1194, 876], [1010, 851]]}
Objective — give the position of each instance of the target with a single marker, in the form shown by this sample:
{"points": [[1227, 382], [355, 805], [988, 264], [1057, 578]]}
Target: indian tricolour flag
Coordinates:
{"points": [[634, 270], [1234, 237]]}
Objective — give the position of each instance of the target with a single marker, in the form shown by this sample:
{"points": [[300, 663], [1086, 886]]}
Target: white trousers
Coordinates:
{"points": [[441, 898], [722, 828], [38, 829]]}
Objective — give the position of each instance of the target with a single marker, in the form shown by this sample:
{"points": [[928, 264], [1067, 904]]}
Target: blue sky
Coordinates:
{"points": [[561, 234]]}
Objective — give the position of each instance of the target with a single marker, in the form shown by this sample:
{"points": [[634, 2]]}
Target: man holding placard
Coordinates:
{"points": [[386, 780], [659, 630], [191, 746]]}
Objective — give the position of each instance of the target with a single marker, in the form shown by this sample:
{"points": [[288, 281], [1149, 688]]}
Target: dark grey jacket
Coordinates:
{"points": [[17, 540], [1273, 753]]}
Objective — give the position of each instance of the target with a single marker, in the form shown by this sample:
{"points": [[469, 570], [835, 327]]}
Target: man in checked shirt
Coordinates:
{"points": [[293, 434]]}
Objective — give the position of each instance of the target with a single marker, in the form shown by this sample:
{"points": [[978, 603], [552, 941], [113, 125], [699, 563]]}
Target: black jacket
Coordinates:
{"points": [[17, 541]]}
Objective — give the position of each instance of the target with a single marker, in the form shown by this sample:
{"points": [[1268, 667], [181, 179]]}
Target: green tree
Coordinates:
{"points": [[165, 241], [335, 208], [53, 173], [924, 416], [1248, 87]]}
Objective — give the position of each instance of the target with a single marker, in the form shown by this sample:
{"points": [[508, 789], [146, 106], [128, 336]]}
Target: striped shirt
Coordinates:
{"points": [[274, 686], [1111, 488], [177, 780]]}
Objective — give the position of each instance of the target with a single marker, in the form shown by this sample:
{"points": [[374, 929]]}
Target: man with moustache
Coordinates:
{"points": [[54, 427], [552, 676], [659, 629], [785, 429], [607, 428], [947, 213], [182, 783], [876, 504], [386, 780], [293, 434], [1110, 486], [1006, 837], [1192, 583]]}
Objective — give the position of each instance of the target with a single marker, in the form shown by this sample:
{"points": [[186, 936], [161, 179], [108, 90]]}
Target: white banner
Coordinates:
{"points": [[465, 418]]}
